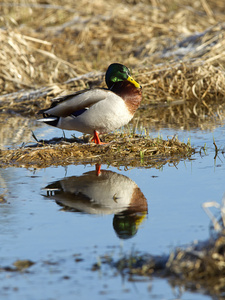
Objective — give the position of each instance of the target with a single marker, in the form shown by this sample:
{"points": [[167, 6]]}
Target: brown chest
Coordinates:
{"points": [[131, 95]]}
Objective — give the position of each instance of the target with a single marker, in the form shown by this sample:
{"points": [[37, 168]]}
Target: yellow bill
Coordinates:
{"points": [[135, 83]]}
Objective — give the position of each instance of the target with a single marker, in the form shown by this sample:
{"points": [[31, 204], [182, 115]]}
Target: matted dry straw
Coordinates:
{"points": [[49, 43], [176, 50], [120, 149]]}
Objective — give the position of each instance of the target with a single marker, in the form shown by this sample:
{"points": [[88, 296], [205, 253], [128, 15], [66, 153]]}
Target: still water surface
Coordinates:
{"points": [[65, 243]]}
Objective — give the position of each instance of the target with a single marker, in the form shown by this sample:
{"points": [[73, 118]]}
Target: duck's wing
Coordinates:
{"points": [[66, 105]]}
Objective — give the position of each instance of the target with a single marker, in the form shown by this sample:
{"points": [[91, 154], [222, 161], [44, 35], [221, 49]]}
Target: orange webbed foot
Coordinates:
{"points": [[96, 139]]}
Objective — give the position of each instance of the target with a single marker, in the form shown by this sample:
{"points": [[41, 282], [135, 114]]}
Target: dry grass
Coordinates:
{"points": [[120, 149], [199, 267], [184, 96], [175, 49]]}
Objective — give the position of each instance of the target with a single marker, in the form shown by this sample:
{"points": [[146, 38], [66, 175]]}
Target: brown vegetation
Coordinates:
{"points": [[199, 267], [120, 150], [175, 49]]}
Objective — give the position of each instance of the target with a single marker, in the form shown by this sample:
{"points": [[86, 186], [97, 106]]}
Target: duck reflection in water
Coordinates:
{"points": [[103, 192]]}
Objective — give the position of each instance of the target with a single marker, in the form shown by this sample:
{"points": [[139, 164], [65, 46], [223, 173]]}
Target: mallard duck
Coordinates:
{"points": [[97, 111]]}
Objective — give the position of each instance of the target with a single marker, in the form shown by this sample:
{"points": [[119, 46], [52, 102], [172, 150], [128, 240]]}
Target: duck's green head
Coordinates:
{"points": [[117, 72]]}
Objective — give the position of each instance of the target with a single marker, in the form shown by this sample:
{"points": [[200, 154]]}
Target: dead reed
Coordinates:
{"points": [[176, 50], [121, 149]]}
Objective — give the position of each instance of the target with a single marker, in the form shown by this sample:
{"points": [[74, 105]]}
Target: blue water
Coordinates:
{"points": [[65, 244]]}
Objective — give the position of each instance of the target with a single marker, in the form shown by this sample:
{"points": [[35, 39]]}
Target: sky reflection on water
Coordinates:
{"points": [[35, 227]]}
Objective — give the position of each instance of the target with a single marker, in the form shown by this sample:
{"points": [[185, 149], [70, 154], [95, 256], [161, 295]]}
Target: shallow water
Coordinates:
{"points": [[64, 243]]}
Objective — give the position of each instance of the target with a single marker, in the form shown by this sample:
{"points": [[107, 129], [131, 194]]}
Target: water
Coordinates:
{"points": [[65, 243]]}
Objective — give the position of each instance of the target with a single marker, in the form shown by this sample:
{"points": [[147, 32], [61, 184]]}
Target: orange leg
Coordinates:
{"points": [[96, 138], [98, 169]]}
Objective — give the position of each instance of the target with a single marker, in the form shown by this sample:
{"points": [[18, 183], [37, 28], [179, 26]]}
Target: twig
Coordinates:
{"points": [[216, 148]]}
